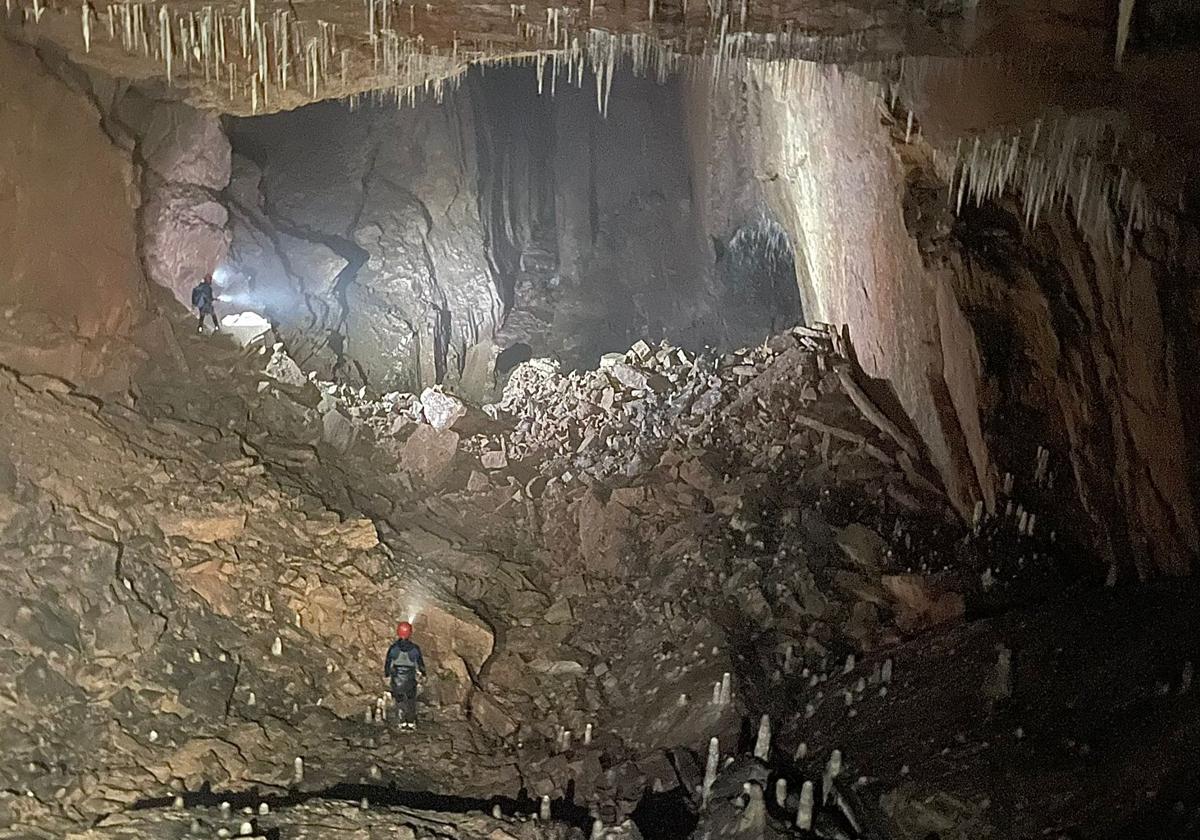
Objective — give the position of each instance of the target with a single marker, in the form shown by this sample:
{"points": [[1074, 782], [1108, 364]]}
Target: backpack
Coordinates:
{"points": [[404, 667], [201, 295]]}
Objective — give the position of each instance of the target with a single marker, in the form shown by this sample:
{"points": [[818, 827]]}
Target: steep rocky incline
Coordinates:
{"points": [[176, 619]]}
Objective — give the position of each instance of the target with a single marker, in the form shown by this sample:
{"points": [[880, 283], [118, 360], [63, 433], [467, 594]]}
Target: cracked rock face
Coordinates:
{"points": [[185, 159], [373, 218]]}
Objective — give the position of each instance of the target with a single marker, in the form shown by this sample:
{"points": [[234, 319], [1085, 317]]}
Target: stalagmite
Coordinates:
{"points": [[245, 829], [710, 770], [849, 666], [177, 804], [298, 770], [86, 13], [225, 809], [544, 809], [762, 744], [251, 699], [497, 814], [277, 647], [781, 793], [263, 809], [885, 675], [832, 770], [716, 695], [587, 735], [804, 813], [726, 689]]}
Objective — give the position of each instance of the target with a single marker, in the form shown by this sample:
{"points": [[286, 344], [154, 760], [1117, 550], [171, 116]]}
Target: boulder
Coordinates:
{"points": [[428, 452], [494, 460], [337, 430], [491, 717], [283, 368], [441, 410], [864, 547]]}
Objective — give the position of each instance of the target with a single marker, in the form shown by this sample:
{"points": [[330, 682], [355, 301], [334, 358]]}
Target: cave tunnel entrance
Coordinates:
{"points": [[401, 247]]}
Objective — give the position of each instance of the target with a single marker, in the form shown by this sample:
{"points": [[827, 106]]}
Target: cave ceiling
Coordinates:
{"points": [[267, 55]]}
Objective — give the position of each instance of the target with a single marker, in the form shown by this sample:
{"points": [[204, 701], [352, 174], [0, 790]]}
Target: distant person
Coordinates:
{"points": [[402, 668], [202, 299]]}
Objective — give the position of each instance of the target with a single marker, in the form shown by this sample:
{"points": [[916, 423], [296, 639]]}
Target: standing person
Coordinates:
{"points": [[202, 299], [402, 668]]}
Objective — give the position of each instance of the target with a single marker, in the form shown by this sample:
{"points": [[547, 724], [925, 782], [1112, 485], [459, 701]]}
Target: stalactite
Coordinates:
{"points": [[1124, 17]]}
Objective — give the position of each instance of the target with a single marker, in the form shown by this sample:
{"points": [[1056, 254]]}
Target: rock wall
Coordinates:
{"points": [[359, 229], [991, 338], [71, 290], [811, 144]]}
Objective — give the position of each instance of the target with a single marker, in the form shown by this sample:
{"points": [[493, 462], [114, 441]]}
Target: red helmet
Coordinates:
{"points": [[403, 630]]}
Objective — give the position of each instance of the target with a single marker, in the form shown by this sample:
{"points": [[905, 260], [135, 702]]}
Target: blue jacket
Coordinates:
{"points": [[396, 651], [202, 296]]}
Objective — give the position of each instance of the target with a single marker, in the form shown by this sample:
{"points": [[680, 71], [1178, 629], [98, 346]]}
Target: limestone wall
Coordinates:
{"points": [[70, 282], [992, 339]]}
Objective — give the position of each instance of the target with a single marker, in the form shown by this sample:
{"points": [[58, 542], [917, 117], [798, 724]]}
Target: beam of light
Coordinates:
{"points": [[221, 274]]}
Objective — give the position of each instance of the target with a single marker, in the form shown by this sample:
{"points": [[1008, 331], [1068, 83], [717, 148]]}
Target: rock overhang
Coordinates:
{"points": [[260, 57]]}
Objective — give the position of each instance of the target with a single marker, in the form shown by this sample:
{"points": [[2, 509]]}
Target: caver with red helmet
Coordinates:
{"points": [[402, 669]]}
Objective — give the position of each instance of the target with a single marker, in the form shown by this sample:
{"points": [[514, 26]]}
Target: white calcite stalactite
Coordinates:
{"points": [[1124, 18]]}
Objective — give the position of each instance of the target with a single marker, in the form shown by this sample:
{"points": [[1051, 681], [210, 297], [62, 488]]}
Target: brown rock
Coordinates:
{"points": [[863, 546], [204, 529], [359, 535], [919, 605], [213, 586], [602, 533], [428, 453], [491, 716]]}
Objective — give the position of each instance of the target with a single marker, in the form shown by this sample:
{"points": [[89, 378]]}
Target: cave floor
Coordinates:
{"points": [[615, 604]]}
